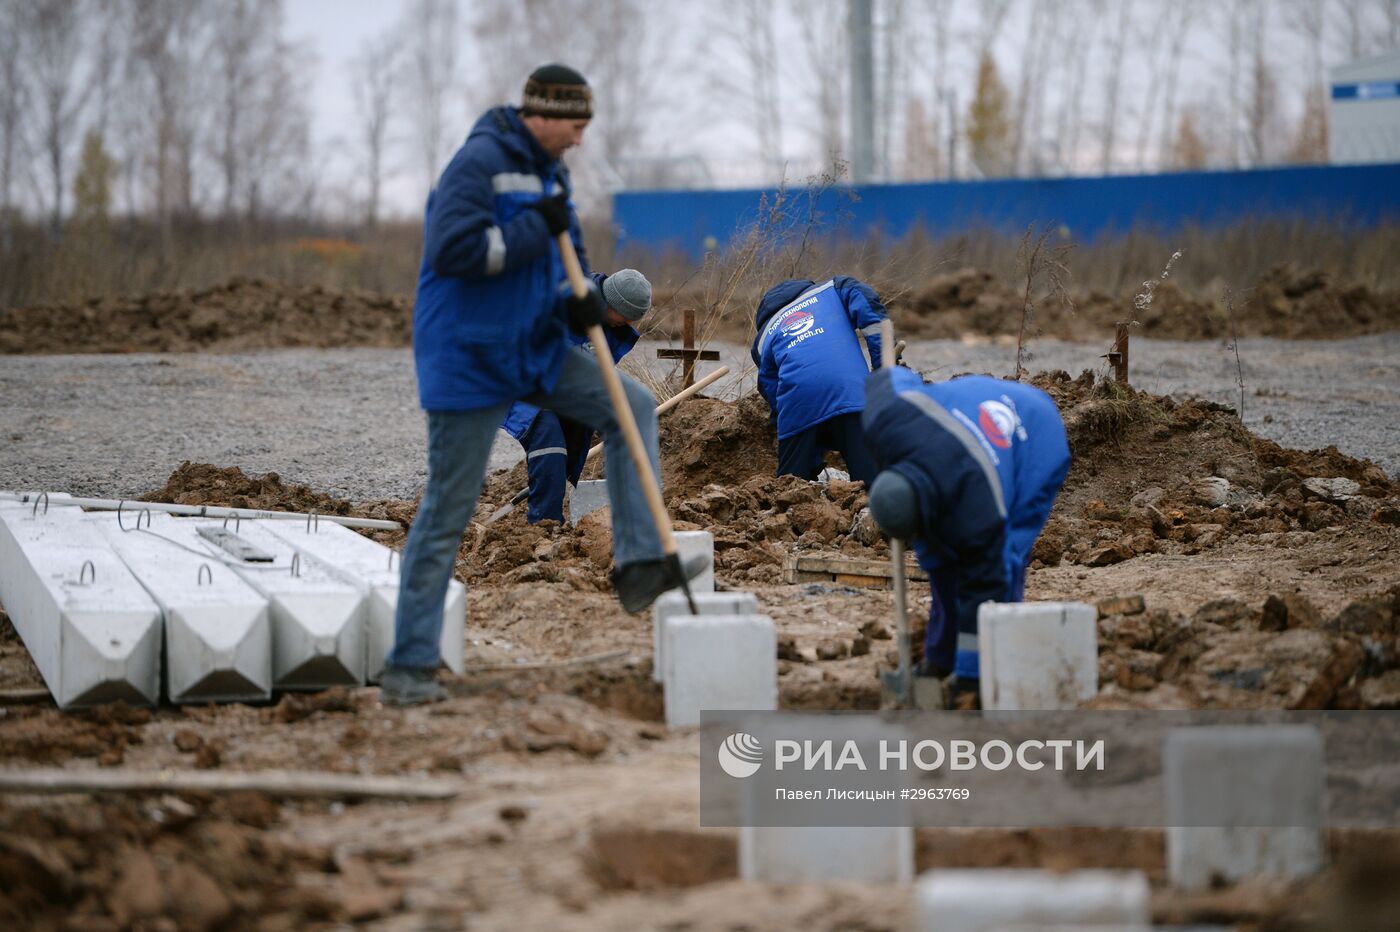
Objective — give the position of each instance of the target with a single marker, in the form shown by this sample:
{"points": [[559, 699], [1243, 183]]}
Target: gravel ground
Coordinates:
{"points": [[347, 421]]}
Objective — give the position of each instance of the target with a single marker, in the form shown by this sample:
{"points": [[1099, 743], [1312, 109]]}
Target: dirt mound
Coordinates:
{"points": [[1287, 303], [244, 314], [177, 862]]}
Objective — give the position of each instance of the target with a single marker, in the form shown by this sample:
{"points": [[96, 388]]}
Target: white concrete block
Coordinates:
{"points": [[674, 603], [692, 544], [1037, 655], [90, 627], [318, 619], [724, 662], [1242, 801], [587, 497], [984, 900], [218, 640], [374, 570], [819, 854]]}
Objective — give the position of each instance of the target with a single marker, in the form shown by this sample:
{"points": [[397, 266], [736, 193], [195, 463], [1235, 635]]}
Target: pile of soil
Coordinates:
{"points": [[1287, 303], [243, 314], [173, 861]]}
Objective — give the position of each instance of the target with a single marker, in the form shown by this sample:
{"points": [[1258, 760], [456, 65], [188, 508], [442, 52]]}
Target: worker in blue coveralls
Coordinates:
{"points": [[490, 327], [969, 470], [556, 447], [812, 372]]}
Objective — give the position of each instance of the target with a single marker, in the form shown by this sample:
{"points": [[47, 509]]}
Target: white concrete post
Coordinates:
{"points": [[990, 899], [673, 603], [1037, 655], [724, 662]]}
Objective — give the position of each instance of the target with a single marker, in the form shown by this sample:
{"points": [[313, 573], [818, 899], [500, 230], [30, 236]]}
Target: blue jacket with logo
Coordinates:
{"points": [[488, 320], [986, 457], [810, 366], [620, 341]]}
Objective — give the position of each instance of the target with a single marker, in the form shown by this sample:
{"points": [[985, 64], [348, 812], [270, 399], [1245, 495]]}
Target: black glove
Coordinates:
{"points": [[555, 211], [586, 311]]}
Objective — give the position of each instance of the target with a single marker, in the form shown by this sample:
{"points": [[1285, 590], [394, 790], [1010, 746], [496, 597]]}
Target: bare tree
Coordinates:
{"points": [[13, 101], [1038, 47], [1261, 111], [432, 39], [1178, 28], [1070, 119], [827, 57], [1118, 39], [373, 74], [744, 68], [166, 44], [56, 34], [238, 51]]}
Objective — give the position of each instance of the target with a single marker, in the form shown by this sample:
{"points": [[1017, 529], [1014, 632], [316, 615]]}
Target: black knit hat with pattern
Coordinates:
{"points": [[557, 91]]}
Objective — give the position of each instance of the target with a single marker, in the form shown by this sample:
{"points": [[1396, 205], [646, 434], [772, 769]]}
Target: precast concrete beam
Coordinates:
{"points": [[1037, 655], [317, 618], [374, 570], [725, 662], [826, 854], [92, 630], [218, 639], [701, 544], [672, 604], [989, 899], [1243, 800]]}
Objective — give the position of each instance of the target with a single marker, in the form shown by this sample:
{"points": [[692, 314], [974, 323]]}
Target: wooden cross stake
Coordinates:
{"points": [[688, 352]]}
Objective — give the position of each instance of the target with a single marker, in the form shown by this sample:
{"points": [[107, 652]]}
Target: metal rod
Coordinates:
{"points": [[204, 511]]}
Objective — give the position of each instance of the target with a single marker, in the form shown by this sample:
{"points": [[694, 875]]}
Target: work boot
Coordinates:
{"points": [[409, 686], [639, 584]]}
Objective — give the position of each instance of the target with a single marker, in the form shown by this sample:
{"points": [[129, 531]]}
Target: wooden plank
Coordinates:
{"points": [[796, 566], [284, 783]]}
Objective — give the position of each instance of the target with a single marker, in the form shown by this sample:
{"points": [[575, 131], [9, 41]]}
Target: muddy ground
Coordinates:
{"points": [[248, 314], [1269, 578]]}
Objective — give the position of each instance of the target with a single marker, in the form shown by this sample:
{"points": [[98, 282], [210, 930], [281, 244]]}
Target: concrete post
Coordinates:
{"points": [[1037, 655], [673, 604]]}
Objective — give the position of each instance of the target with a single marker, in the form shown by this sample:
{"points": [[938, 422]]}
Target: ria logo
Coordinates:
{"points": [[795, 323], [740, 755], [998, 422]]}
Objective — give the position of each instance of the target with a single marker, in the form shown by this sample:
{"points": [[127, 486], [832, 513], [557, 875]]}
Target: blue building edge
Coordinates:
{"points": [[1084, 209]]}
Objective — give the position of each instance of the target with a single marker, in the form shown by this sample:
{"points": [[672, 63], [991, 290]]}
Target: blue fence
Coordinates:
{"points": [[1083, 208]]}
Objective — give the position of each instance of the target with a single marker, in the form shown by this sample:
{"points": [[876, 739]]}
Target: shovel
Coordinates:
{"points": [[900, 683], [623, 412]]}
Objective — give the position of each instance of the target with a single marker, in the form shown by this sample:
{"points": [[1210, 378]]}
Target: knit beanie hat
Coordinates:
{"points": [[557, 91], [628, 292], [895, 505]]}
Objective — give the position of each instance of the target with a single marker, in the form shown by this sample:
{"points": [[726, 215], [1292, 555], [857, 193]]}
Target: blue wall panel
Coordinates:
{"points": [[1360, 195]]}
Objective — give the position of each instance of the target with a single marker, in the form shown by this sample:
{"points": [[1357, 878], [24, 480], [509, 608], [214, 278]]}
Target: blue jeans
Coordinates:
{"points": [[459, 445]]}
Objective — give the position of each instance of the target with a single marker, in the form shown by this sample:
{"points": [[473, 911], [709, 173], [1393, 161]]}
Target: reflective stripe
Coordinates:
{"points": [[873, 330], [949, 423], [967, 642], [495, 251], [778, 314], [546, 451], [516, 183]]}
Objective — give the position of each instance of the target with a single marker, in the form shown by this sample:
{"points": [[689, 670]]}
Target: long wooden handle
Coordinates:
{"points": [[621, 409], [671, 402], [901, 600]]}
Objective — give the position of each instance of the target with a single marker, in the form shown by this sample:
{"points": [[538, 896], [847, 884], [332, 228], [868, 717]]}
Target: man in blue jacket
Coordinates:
{"points": [[490, 324], [969, 471], [556, 447], [812, 372]]}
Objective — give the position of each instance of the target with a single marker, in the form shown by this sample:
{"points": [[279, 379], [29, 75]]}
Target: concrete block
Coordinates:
{"points": [[92, 630], [724, 662], [820, 854], [1037, 655], [218, 639], [1243, 801], [373, 569], [989, 899], [587, 497], [674, 603], [318, 619], [692, 544]]}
